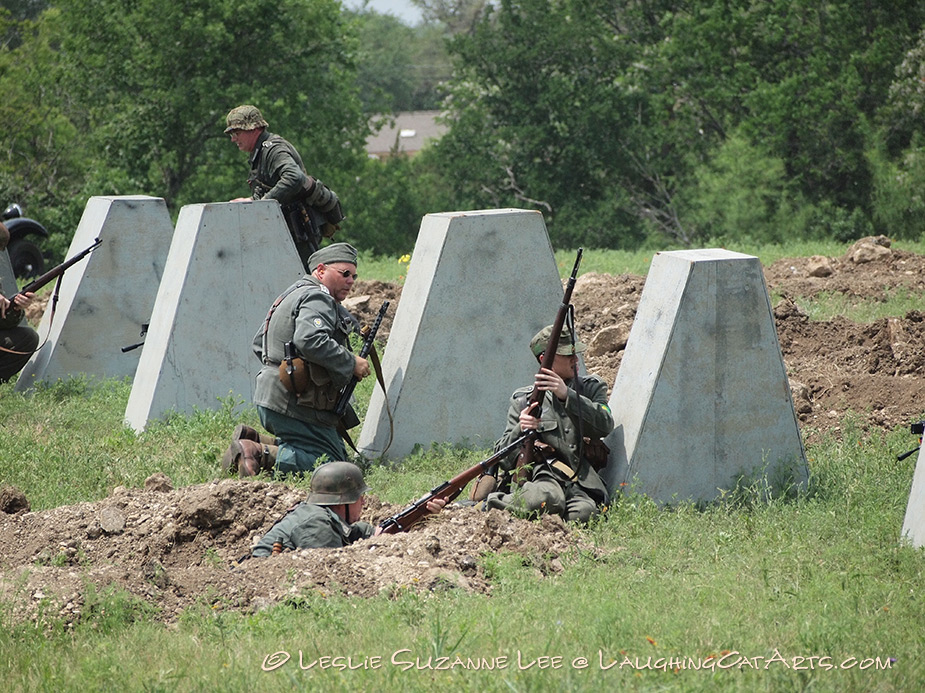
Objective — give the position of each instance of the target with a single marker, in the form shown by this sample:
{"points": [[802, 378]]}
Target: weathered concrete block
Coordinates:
{"points": [[227, 263], [914, 521], [702, 396], [106, 297], [480, 285]]}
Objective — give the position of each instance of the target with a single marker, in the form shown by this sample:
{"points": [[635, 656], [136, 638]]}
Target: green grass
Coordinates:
{"points": [[629, 262], [385, 269], [822, 575], [725, 597], [894, 303]]}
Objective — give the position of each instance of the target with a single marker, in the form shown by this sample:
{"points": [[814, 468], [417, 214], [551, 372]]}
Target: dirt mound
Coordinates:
{"points": [[365, 300], [834, 366], [173, 548]]}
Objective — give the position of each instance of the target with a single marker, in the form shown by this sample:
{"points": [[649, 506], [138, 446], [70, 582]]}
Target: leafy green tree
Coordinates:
{"points": [[155, 81], [458, 16], [743, 192], [621, 105], [543, 123], [399, 68], [897, 157], [44, 155], [800, 76]]}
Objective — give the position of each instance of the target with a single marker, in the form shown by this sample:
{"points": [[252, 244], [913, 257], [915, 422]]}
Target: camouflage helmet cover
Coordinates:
{"points": [[336, 483], [541, 340], [244, 118]]}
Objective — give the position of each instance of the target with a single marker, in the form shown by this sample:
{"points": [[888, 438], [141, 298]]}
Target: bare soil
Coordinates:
{"points": [[175, 548]]}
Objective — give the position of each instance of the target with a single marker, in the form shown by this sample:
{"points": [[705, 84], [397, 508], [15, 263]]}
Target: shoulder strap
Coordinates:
{"points": [[266, 324]]}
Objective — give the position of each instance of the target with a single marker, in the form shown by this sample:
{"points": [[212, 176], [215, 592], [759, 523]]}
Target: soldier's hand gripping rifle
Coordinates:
{"points": [[525, 458], [369, 334], [14, 313], [448, 490]]}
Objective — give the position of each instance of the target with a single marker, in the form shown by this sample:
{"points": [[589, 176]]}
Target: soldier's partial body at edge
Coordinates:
{"points": [[17, 343]]}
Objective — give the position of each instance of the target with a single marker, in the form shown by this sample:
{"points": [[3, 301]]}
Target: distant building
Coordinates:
{"points": [[408, 135]]}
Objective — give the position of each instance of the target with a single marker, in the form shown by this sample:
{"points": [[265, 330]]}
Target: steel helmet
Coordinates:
{"points": [[244, 118], [336, 483]]}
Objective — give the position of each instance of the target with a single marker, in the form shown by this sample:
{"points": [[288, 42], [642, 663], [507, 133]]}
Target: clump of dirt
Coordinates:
{"points": [[174, 548]]}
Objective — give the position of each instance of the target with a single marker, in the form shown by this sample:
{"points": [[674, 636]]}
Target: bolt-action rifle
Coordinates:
{"points": [[14, 313], [448, 490], [525, 458], [369, 334]]}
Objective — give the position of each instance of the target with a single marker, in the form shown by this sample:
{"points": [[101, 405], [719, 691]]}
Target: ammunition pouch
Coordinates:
{"points": [[482, 486], [321, 394], [310, 383], [596, 452]]}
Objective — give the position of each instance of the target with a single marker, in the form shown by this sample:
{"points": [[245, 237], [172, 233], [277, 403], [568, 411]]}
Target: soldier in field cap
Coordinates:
{"points": [[303, 427], [569, 451], [310, 208]]}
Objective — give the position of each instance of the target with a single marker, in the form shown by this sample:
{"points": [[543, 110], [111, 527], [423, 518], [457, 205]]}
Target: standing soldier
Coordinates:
{"points": [[310, 318], [310, 208]]}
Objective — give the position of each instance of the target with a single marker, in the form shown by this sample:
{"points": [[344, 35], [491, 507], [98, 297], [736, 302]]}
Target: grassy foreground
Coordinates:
{"points": [[745, 595], [813, 593]]}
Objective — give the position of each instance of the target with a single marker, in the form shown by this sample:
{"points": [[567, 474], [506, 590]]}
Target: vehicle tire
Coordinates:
{"points": [[26, 258]]}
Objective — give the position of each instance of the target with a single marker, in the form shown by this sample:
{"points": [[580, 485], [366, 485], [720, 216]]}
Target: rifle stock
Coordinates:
{"points": [[343, 399], [525, 458], [13, 313], [448, 490]]}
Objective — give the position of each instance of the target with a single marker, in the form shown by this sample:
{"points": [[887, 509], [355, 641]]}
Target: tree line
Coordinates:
{"points": [[627, 123]]}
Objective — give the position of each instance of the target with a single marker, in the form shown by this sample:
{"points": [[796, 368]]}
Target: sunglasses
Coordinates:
{"points": [[344, 273]]}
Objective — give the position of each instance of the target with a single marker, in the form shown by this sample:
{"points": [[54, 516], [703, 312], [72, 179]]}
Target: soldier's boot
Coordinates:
{"points": [[256, 458], [248, 458], [245, 432]]}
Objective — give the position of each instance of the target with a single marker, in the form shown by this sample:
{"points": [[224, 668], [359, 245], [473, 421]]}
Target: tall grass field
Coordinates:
{"points": [[812, 593]]}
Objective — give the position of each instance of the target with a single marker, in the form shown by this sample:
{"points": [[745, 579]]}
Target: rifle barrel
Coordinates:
{"points": [[57, 271], [343, 399], [448, 490]]}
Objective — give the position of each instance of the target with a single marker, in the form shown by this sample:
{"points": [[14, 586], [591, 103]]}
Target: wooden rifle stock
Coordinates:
{"points": [[343, 399], [13, 313], [525, 458], [448, 490]]}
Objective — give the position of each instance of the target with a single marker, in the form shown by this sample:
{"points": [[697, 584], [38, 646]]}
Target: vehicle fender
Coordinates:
{"points": [[20, 227]]}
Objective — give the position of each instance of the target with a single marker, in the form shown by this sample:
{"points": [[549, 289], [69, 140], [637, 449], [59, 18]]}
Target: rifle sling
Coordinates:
{"points": [[377, 368]]}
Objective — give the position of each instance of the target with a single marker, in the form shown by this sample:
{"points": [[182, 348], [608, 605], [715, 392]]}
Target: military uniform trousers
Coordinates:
{"points": [[302, 443], [547, 492]]}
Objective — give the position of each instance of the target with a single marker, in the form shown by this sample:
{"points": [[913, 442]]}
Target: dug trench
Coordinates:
{"points": [[174, 548]]}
